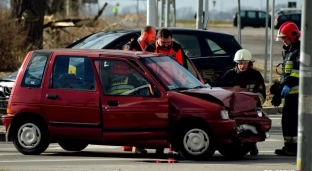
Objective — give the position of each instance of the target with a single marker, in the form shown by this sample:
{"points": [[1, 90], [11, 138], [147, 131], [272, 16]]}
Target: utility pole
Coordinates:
{"points": [[151, 13], [199, 15], [206, 18], [167, 13], [271, 43], [174, 17], [304, 157], [162, 13], [266, 40], [239, 23]]}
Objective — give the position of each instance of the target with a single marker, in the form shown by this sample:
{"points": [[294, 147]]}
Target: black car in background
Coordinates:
{"points": [[252, 18], [211, 52], [6, 85], [284, 17]]}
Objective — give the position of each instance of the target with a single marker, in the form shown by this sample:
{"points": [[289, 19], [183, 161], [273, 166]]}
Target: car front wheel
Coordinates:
{"points": [[31, 138], [195, 142]]}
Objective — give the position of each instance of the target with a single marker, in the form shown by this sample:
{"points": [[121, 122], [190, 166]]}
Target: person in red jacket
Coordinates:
{"points": [[165, 45], [147, 36]]}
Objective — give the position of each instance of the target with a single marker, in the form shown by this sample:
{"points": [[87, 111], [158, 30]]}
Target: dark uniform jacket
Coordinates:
{"points": [[250, 79], [290, 72]]}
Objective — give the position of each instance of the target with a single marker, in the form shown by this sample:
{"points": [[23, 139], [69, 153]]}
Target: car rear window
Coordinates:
{"points": [[34, 72], [97, 41]]}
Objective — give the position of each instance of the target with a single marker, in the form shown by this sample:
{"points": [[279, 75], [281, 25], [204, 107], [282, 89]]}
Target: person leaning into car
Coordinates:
{"points": [[147, 36], [244, 76], [165, 45]]}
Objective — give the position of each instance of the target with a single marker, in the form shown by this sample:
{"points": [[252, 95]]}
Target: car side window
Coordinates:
{"points": [[189, 44], [242, 13], [295, 17], [215, 48], [251, 14], [262, 15], [35, 69], [118, 78], [74, 73]]}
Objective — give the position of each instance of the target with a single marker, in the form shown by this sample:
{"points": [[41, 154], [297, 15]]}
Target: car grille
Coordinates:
{"points": [[3, 106]]}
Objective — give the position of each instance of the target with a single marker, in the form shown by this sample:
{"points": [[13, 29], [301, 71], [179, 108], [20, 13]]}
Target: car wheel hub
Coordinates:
{"points": [[29, 136], [196, 141]]}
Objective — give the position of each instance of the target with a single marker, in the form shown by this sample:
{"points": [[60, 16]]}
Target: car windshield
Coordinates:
{"points": [[97, 41], [171, 74], [10, 77]]}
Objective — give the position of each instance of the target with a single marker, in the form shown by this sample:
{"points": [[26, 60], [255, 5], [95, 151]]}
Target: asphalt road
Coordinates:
{"points": [[110, 158]]}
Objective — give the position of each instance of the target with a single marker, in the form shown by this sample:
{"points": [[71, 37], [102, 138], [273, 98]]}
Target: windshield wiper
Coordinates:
{"points": [[180, 88], [199, 87]]}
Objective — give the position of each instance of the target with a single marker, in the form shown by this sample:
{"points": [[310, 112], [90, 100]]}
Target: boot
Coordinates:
{"points": [[254, 151], [281, 151]]}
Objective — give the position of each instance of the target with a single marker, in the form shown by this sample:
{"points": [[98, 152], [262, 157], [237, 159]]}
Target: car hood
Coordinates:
{"points": [[6, 83], [236, 99]]}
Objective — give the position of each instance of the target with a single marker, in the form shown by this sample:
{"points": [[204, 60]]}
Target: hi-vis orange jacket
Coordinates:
{"points": [[175, 52]]}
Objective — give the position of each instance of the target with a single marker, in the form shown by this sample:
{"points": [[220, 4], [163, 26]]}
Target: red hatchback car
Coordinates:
{"points": [[112, 97]]}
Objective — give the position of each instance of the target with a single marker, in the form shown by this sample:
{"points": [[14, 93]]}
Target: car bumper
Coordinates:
{"points": [[240, 130]]}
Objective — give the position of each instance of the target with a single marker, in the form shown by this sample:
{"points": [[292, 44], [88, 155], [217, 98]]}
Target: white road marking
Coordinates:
{"points": [[67, 160], [273, 140]]}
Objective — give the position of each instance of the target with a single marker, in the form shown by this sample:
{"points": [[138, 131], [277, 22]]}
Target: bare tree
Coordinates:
{"points": [[30, 14]]}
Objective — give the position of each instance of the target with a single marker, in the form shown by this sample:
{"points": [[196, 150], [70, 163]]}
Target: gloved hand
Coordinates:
{"points": [[276, 100], [275, 88], [285, 91]]}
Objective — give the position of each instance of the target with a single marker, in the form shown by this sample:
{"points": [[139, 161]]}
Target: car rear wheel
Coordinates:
{"points": [[195, 142], [236, 151], [73, 146], [31, 138]]}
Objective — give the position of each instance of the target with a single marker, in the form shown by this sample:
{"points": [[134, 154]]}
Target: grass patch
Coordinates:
{"points": [[5, 170]]}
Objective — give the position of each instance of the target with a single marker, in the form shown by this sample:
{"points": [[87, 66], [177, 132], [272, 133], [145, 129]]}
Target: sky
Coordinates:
{"points": [[219, 5]]}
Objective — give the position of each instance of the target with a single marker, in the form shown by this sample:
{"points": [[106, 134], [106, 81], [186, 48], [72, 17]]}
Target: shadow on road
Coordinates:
{"points": [[168, 158]]}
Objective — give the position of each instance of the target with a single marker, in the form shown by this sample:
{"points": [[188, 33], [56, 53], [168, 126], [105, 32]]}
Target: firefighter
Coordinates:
{"points": [[244, 76], [287, 88], [147, 36], [165, 45]]}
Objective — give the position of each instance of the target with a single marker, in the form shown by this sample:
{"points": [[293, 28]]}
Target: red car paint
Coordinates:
{"points": [[154, 121]]}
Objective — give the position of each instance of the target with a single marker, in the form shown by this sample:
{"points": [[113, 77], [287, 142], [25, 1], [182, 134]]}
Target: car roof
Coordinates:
{"points": [[170, 28], [105, 52]]}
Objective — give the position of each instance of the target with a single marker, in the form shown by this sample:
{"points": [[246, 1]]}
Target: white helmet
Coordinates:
{"points": [[243, 55]]}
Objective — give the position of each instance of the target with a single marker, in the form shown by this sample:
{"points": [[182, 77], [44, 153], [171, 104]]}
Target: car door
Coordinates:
{"points": [[70, 99], [138, 115]]}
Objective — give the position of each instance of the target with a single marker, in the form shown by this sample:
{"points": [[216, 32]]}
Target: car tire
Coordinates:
{"points": [[31, 137], [73, 146], [235, 151], [195, 142]]}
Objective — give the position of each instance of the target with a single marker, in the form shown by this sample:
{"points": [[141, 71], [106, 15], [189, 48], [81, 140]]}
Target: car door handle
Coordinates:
{"points": [[51, 96], [112, 103]]}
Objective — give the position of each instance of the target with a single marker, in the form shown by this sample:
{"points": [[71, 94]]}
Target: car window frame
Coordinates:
{"points": [[146, 76], [86, 58]]}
